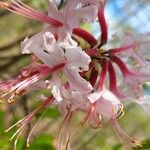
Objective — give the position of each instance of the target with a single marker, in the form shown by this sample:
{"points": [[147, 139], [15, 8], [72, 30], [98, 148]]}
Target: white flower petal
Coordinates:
{"points": [[56, 93], [34, 43], [78, 58], [93, 97], [110, 96], [53, 11], [77, 82], [86, 14]]}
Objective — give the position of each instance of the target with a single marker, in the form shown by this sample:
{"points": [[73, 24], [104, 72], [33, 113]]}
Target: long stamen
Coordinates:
{"points": [[21, 9], [94, 119], [17, 123], [85, 118], [121, 112], [16, 141], [34, 78], [29, 135], [125, 139], [23, 122], [121, 49], [59, 139]]}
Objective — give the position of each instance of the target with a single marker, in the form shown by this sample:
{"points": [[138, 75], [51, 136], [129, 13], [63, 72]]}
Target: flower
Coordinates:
{"points": [[52, 54], [29, 76], [72, 15], [93, 81], [106, 103]]}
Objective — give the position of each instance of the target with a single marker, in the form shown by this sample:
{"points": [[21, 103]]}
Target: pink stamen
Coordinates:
{"points": [[94, 120], [26, 120], [74, 130], [117, 50], [121, 49], [127, 142], [32, 79], [20, 9], [85, 35], [66, 120]]}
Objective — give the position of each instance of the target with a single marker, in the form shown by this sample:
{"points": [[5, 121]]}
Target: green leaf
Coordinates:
{"points": [[2, 122], [43, 142], [117, 147], [52, 112]]}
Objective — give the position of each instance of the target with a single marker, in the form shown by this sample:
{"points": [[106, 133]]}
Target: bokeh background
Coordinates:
{"points": [[121, 15]]}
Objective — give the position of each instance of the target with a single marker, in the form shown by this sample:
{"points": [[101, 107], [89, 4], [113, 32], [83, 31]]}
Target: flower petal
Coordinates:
{"points": [[56, 93], [77, 82], [77, 58]]}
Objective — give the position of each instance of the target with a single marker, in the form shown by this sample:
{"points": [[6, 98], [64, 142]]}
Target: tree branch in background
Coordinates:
{"points": [[12, 62]]}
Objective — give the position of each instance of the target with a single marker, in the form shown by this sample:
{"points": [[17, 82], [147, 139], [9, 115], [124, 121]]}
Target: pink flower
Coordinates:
{"points": [[106, 103], [75, 12], [95, 81], [52, 54], [27, 77]]}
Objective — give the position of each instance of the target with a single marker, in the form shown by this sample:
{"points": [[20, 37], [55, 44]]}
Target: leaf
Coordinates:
{"points": [[43, 142], [117, 147], [52, 112]]}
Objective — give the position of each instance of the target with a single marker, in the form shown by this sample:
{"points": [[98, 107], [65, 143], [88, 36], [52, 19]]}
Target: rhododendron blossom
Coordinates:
{"points": [[93, 80]]}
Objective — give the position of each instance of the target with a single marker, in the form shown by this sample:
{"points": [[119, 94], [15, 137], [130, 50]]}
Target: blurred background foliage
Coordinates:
{"points": [[121, 15]]}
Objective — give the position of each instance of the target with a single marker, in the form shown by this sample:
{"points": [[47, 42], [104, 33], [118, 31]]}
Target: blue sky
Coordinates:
{"points": [[135, 15]]}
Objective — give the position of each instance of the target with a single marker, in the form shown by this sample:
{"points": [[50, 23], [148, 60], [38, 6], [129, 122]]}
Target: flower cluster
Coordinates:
{"points": [[94, 81]]}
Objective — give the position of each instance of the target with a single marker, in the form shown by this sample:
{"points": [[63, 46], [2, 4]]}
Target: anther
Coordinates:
{"points": [[28, 145], [1, 101], [4, 4], [137, 142], [11, 99]]}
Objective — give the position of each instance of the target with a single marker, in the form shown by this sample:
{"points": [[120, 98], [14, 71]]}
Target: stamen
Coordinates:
{"points": [[16, 141], [127, 47], [137, 142], [97, 124], [26, 120], [75, 129], [23, 84], [94, 119], [21, 9], [121, 112], [29, 135], [11, 99], [19, 131], [4, 4], [65, 120], [125, 139], [1, 101], [17, 123]]}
